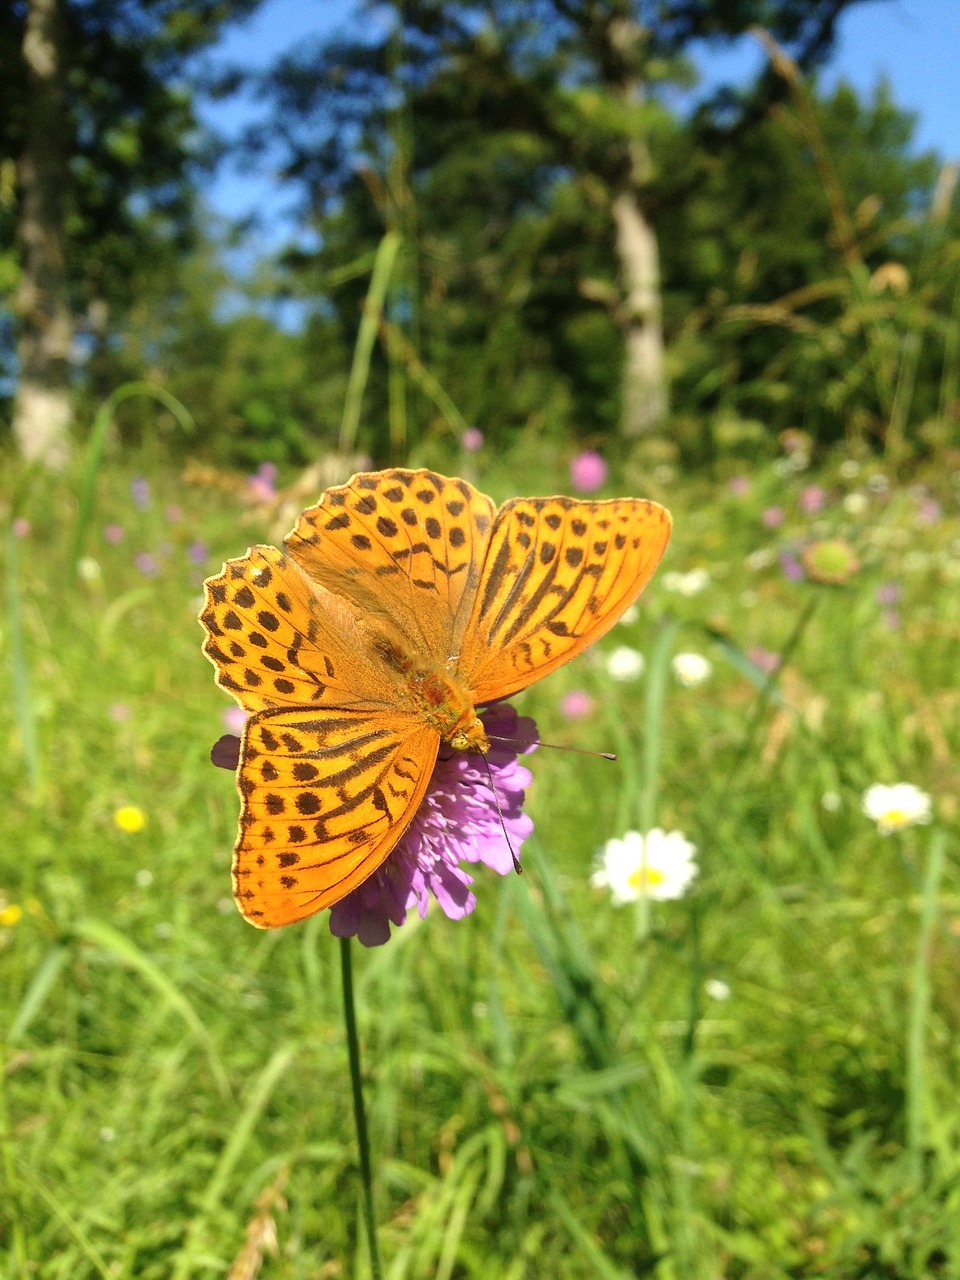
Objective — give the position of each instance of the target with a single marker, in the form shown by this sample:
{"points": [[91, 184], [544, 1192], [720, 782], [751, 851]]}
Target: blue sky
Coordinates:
{"points": [[914, 43]]}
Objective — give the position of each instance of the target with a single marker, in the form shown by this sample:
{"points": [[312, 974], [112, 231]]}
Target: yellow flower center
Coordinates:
{"points": [[646, 878], [896, 818]]}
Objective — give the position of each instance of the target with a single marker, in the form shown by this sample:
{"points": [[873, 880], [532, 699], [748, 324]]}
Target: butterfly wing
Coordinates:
{"points": [[326, 794], [404, 547], [278, 639], [558, 573]]}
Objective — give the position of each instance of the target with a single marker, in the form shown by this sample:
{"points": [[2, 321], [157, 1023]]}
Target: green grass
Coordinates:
{"points": [[550, 1089]]}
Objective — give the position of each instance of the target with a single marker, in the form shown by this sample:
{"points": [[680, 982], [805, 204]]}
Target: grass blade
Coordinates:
{"points": [[118, 944], [366, 336]]}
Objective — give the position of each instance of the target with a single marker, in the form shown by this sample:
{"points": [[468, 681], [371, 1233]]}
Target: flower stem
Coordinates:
{"points": [[359, 1115]]}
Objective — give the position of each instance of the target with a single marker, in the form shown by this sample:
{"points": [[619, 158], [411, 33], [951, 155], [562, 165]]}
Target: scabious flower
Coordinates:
{"points": [[588, 471], [896, 807], [624, 663], [791, 566], [140, 492], [888, 594], [130, 818], [812, 499], [198, 553], [147, 564], [114, 533], [772, 518], [832, 561], [739, 486], [457, 821], [576, 705], [472, 440], [660, 866], [21, 527], [764, 660], [262, 485], [235, 718], [691, 669]]}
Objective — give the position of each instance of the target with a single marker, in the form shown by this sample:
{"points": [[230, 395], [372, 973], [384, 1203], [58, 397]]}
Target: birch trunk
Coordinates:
{"points": [[42, 412], [644, 395]]}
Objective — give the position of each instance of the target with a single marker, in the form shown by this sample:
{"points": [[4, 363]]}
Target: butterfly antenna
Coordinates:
{"points": [[496, 800], [556, 746]]}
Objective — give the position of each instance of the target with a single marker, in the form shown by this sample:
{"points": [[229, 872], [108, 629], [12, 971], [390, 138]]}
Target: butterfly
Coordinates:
{"points": [[401, 602]]}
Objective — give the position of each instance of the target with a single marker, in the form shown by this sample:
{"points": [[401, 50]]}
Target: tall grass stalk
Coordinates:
{"points": [[370, 321], [656, 693], [96, 449], [920, 1007], [359, 1113], [20, 670]]}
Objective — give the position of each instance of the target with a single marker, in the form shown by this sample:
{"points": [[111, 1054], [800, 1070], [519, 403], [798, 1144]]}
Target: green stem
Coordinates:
{"points": [[359, 1115], [919, 1008]]}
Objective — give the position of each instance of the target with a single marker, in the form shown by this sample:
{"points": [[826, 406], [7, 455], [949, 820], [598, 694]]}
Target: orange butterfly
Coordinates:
{"points": [[403, 601]]}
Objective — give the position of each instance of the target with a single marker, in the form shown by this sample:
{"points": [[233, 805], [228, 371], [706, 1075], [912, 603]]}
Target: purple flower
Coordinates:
{"points": [[147, 564], [21, 527], [588, 471], [891, 619], [472, 440], [198, 552], [764, 660], [140, 489], [235, 718], [793, 570], [576, 704], [457, 820], [739, 486], [262, 486], [930, 511], [812, 499], [888, 594], [114, 534], [772, 518]]}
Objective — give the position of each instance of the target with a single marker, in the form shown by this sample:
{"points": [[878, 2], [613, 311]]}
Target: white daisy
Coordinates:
{"points": [[896, 807], [659, 866]]}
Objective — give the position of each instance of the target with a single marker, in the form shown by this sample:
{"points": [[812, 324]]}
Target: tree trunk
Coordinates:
{"points": [[643, 404], [644, 393], [42, 413]]}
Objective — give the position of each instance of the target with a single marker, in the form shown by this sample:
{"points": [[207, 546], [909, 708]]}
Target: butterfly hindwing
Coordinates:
{"points": [[558, 573], [326, 795]]}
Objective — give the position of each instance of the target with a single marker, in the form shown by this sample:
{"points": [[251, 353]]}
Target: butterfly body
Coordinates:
{"points": [[401, 602]]}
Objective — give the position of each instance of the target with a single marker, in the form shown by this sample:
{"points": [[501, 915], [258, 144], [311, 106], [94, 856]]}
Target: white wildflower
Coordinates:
{"points": [[660, 866], [717, 989], [686, 584], [855, 504], [691, 669], [896, 807], [624, 663]]}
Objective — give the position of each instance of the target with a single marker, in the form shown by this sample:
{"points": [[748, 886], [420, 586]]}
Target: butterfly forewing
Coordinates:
{"points": [[405, 547], [278, 639], [326, 795], [558, 574]]}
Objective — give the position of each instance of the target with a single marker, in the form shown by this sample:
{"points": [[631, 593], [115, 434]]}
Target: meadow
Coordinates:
{"points": [[756, 1080]]}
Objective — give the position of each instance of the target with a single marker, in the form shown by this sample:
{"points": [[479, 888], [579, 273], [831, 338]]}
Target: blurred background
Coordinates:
{"points": [[701, 251]]}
